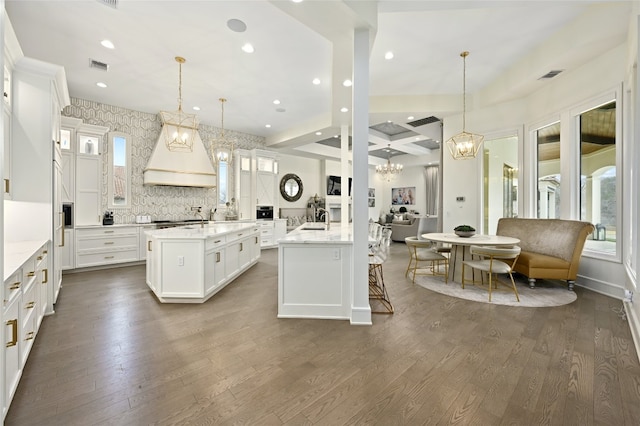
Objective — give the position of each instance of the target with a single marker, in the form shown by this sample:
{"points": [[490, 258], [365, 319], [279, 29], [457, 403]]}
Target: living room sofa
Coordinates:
{"points": [[551, 248], [412, 226]]}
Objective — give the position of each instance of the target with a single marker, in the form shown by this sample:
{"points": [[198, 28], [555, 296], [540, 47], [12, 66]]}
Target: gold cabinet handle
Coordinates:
{"points": [[256, 238], [216, 241], [108, 257], [15, 286], [45, 279], [241, 247], [14, 334], [217, 257], [44, 252], [108, 232], [30, 305], [149, 245], [31, 274], [39, 257], [6, 186], [108, 243], [29, 336]]}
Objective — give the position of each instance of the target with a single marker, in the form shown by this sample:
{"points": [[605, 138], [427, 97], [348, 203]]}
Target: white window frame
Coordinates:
{"points": [[111, 136]]}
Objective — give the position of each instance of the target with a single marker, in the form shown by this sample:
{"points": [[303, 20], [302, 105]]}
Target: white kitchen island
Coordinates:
{"points": [[189, 264], [315, 275]]}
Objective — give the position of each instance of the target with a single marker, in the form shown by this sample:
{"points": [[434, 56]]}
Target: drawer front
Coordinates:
{"points": [[104, 258], [266, 232], [29, 271], [107, 243], [215, 242], [122, 230], [265, 224], [265, 242], [12, 287], [29, 304]]}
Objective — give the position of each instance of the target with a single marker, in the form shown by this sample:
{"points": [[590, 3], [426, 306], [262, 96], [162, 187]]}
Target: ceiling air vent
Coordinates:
{"points": [[423, 121], [550, 74], [98, 65], [111, 3]]}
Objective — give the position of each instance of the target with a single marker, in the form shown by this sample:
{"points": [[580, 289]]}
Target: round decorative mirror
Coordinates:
{"points": [[291, 187]]}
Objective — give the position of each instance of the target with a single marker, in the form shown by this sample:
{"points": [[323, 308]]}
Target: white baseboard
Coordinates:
{"points": [[602, 287], [361, 315], [634, 325]]}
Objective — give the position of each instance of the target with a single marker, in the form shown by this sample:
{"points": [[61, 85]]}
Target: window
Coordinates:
{"points": [[548, 154], [223, 182], [598, 175], [119, 172]]}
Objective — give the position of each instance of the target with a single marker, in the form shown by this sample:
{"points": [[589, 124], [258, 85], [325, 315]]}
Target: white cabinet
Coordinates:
{"points": [[243, 184], [67, 251], [271, 231], [142, 248], [256, 178], [25, 295], [97, 246], [6, 118], [190, 269], [88, 190], [67, 164]]}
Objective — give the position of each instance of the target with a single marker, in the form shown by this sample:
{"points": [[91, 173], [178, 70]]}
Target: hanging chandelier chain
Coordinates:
{"points": [[180, 60], [464, 88], [222, 101]]}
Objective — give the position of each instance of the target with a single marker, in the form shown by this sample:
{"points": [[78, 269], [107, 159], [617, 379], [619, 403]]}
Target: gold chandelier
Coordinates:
{"points": [[464, 145], [221, 147], [390, 170], [178, 127]]}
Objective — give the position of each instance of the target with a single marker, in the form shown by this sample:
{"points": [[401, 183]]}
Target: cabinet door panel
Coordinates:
{"points": [[88, 190]]}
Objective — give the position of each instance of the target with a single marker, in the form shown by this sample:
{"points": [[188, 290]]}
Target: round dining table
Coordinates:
{"points": [[460, 248]]}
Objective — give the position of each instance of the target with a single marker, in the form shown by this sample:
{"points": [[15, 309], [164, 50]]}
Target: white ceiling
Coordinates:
{"points": [[297, 42]]}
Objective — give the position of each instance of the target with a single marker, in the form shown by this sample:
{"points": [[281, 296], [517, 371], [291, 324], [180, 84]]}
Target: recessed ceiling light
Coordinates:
{"points": [[101, 84], [248, 48], [411, 117], [318, 133], [268, 126], [108, 44], [316, 81], [347, 83], [388, 55], [196, 108], [236, 25], [297, 1], [276, 102], [336, 136], [344, 109]]}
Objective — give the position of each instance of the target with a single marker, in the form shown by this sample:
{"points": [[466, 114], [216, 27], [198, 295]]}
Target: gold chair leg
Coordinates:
{"points": [[515, 290]]}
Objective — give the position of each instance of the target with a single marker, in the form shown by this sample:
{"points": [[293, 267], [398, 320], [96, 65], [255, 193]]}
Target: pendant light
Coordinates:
{"points": [[178, 127], [221, 147], [390, 170], [464, 145]]}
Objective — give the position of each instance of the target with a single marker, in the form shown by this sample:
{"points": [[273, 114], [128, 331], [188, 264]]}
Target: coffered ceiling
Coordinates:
{"points": [[295, 43]]}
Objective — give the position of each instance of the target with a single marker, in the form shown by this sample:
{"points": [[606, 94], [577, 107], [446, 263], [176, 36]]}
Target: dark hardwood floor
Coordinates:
{"points": [[113, 355]]}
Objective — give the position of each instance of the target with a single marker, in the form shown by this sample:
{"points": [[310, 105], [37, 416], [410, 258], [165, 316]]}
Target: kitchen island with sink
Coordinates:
{"points": [[189, 264], [315, 278]]}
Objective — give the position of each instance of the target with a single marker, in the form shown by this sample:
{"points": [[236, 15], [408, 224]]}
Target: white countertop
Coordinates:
{"points": [[15, 254], [337, 234], [195, 231]]}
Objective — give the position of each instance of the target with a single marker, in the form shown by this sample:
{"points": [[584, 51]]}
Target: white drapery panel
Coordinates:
{"points": [[432, 188]]}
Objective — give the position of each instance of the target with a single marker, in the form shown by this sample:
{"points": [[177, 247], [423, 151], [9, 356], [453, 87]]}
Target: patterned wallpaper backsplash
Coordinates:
{"points": [[161, 202]]}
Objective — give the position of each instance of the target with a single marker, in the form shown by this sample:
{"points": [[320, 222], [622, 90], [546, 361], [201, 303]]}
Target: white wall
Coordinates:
{"points": [[553, 100]]}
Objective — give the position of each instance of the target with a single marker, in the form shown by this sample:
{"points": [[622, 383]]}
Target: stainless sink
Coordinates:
{"points": [[314, 227]]}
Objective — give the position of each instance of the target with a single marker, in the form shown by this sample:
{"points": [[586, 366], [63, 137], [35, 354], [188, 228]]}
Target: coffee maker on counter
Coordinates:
{"points": [[107, 219]]}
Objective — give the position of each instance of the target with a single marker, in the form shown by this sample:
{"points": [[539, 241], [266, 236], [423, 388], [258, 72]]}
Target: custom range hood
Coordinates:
{"points": [[179, 157], [176, 167]]}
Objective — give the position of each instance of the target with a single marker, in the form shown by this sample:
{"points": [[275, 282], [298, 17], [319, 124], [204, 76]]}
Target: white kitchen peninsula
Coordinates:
{"points": [[190, 264], [315, 278]]}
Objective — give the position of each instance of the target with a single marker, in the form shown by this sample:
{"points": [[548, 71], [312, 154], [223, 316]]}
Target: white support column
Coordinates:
{"points": [[360, 309], [345, 209]]}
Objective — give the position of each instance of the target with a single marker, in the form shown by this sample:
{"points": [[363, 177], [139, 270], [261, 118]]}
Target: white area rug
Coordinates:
{"points": [[546, 293]]}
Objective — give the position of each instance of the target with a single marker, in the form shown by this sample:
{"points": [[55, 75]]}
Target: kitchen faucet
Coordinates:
{"points": [[198, 212], [326, 216]]}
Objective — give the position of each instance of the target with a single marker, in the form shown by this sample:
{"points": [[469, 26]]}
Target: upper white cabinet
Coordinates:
{"points": [[256, 181], [88, 179]]}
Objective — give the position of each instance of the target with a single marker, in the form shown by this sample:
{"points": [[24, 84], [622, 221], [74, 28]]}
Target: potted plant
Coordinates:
{"points": [[464, 230]]}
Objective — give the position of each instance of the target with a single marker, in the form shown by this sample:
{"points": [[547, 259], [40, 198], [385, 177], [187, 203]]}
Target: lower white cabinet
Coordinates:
{"points": [[23, 308], [68, 250], [97, 246], [271, 231], [184, 267]]}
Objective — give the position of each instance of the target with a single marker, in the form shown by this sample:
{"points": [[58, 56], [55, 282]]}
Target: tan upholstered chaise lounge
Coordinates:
{"points": [[551, 248]]}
